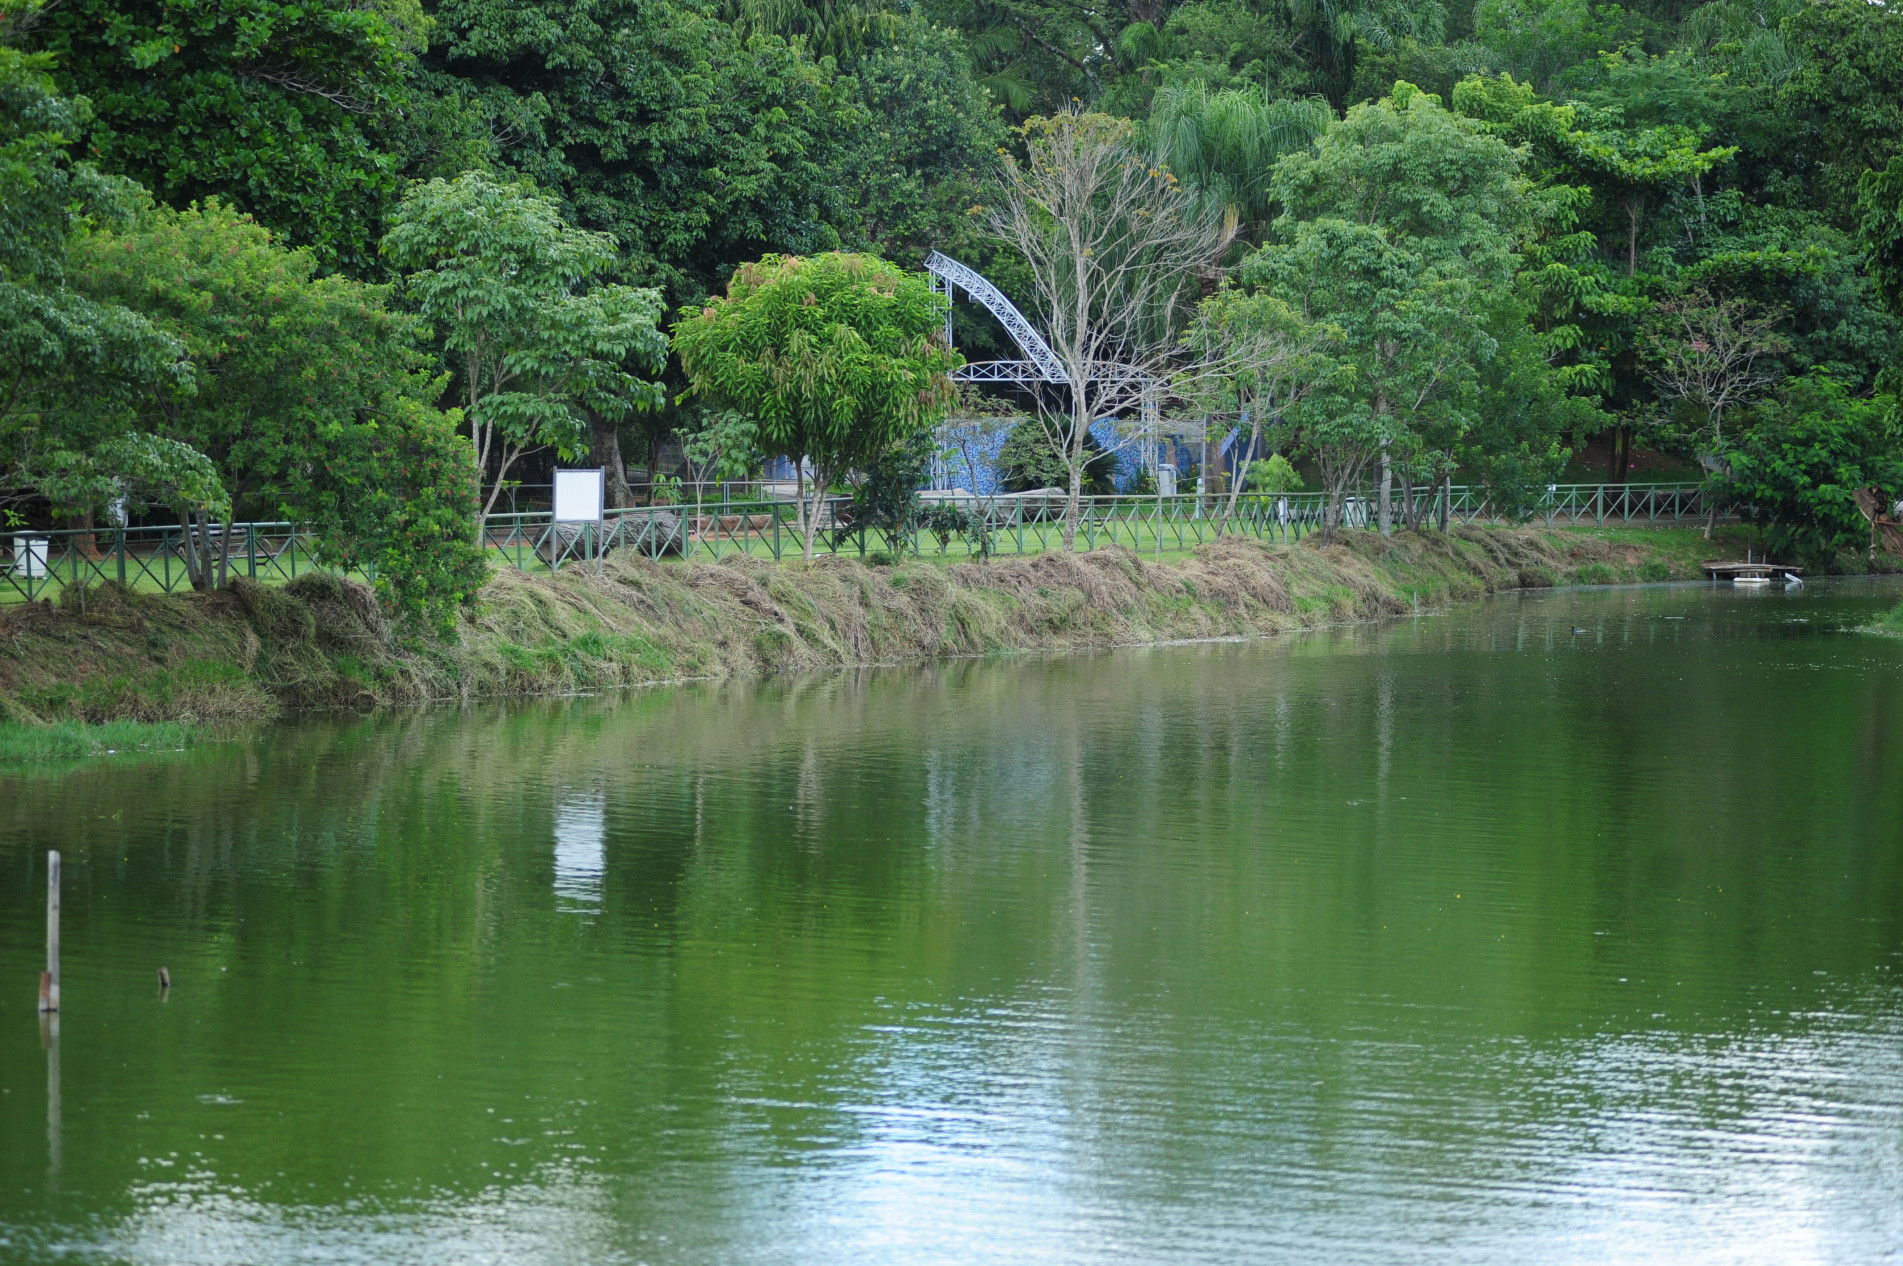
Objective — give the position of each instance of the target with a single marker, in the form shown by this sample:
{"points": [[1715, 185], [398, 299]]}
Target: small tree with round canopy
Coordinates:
{"points": [[837, 357]]}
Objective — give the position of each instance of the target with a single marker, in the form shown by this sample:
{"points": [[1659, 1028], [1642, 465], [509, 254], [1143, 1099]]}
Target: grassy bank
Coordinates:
{"points": [[24, 744], [250, 652], [1890, 622]]}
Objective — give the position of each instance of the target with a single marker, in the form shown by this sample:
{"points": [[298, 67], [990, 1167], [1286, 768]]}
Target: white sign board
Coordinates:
{"points": [[577, 496]]}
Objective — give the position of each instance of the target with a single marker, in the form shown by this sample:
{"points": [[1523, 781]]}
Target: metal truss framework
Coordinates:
{"points": [[948, 276]]}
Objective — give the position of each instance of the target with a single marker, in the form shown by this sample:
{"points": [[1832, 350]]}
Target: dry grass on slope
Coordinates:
{"points": [[250, 652]]}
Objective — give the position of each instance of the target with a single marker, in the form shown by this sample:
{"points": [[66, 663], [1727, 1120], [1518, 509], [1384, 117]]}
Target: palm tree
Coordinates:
{"points": [[1223, 145]]}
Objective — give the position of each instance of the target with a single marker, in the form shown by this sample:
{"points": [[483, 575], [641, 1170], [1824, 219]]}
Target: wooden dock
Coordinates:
{"points": [[1719, 570]]}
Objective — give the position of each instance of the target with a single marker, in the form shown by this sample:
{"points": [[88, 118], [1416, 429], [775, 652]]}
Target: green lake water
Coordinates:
{"points": [[1563, 928]]}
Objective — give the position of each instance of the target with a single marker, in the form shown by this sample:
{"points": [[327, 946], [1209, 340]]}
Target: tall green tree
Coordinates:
{"points": [[545, 349], [1847, 89], [69, 362], [838, 358], [1437, 182], [303, 385], [931, 143], [1399, 352], [1880, 216], [1224, 145], [1262, 356], [1796, 469], [1639, 167], [1452, 209], [284, 110]]}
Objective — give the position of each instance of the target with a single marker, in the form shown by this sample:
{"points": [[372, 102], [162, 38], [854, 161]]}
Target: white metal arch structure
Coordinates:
{"points": [[949, 273], [948, 276]]}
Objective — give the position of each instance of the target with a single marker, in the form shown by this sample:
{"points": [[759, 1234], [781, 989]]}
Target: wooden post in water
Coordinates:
{"points": [[49, 979]]}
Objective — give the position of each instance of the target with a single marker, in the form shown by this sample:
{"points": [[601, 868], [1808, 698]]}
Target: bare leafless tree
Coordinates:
{"points": [[1116, 249], [1712, 354]]}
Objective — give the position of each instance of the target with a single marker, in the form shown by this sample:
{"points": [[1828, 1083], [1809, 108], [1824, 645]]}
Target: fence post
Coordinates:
{"points": [[119, 548], [49, 979], [251, 549]]}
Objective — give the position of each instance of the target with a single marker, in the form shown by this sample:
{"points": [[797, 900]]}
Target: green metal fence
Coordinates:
{"points": [[1029, 523], [32, 564]]}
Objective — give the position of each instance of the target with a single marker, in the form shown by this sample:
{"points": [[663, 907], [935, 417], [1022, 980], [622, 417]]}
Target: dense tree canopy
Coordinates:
{"points": [[1476, 227], [68, 361], [284, 110]]}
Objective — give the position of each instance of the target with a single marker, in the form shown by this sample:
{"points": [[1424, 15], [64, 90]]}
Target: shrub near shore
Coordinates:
{"points": [[250, 652]]}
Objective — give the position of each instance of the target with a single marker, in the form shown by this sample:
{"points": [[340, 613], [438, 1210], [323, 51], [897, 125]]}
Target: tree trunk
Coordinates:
{"points": [[822, 480], [224, 546], [88, 545], [1619, 460], [604, 450], [197, 548], [509, 455], [1632, 240], [1446, 497], [1074, 451], [1243, 461], [1387, 508]]}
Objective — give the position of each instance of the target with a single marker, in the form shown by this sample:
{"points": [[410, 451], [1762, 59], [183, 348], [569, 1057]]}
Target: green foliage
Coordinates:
{"points": [[887, 498], [913, 174], [838, 358], [277, 352], [1274, 474], [1538, 39], [1440, 184], [280, 109], [396, 496], [1880, 216], [655, 122], [68, 360], [1400, 240], [946, 519], [1802, 460], [314, 400], [725, 445], [1638, 166], [1224, 144], [1847, 88], [1396, 335], [129, 472], [1631, 153], [538, 340], [1032, 458]]}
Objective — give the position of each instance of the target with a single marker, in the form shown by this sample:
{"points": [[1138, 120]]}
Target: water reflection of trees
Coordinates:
{"points": [[1240, 861]]}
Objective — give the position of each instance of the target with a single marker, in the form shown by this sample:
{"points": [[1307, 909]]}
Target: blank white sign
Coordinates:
{"points": [[577, 496]]}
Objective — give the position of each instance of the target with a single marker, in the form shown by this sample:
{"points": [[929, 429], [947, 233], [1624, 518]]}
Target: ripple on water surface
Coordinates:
{"points": [[1466, 939]]}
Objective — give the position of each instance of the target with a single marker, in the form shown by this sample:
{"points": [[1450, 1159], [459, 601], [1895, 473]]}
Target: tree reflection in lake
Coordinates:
{"points": [[1464, 938]]}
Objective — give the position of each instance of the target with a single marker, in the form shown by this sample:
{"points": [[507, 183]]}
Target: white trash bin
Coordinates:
{"points": [[29, 557]]}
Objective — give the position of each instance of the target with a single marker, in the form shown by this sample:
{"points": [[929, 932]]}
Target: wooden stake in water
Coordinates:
{"points": [[49, 979]]}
